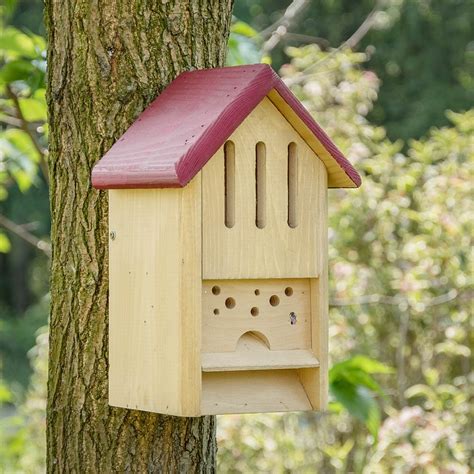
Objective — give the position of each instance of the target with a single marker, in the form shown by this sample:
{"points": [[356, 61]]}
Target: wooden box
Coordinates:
{"points": [[218, 249]]}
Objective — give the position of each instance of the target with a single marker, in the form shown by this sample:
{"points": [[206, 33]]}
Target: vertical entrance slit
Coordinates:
{"points": [[260, 184], [292, 185], [229, 183]]}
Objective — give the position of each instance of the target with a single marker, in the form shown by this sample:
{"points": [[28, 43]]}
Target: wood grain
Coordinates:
{"points": [[253, 392], [258, 360], [277, 250], [221, 332], [155, 300], [182, 129], [315, 381]]}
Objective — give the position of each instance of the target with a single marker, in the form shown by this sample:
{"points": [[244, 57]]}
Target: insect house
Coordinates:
{"points": [[218, 248]]}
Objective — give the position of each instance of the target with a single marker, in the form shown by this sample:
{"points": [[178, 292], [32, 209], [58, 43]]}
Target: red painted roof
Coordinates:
{"points": [[189, 121]]}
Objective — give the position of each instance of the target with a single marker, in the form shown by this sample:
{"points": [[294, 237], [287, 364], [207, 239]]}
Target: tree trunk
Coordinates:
{"points": [[107, 60]]}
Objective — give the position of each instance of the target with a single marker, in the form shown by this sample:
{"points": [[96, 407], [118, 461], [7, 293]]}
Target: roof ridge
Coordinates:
{"points": [[175, 136]]}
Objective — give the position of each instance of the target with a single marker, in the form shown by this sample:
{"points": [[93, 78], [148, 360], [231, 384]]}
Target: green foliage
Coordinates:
{"points": [[421, 50], [22, 429], [353, 387], [5, 244], [242, 47], [399, 246], [17, 337], [400, 285], [22, 108]]}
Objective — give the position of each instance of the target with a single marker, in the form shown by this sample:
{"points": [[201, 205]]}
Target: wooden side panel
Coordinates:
{"points": [[277, 250], [315, 380], [155, 299]]}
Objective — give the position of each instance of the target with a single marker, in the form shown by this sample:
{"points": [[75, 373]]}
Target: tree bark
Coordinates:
{"points": [[107, 60]]}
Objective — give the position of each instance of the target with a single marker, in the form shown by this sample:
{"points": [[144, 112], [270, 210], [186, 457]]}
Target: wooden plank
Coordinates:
{"points": [[263, 360], [315, 381], [252, 392], [224, 324], [155, 300], [277, 250]]}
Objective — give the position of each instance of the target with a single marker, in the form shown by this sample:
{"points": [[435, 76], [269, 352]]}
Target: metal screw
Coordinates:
{"points": [[292, 318], [113, 234]]}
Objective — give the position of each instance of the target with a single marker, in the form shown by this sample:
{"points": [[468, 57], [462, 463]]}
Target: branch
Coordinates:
{"points": [[280, 27], [351, 42], [323, 42], [25, 127], [395, 300], [21, 232], [10, 121]]}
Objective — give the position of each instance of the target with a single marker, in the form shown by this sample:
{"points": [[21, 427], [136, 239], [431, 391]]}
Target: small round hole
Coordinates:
{"points": [[257, 291], [216, 290], [216, 311], [288, 291], [230, 303], [274, 300], [254, 311]]}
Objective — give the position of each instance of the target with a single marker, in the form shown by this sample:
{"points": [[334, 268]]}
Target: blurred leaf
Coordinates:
{"points": [[33, 109], [5, 247], [17, 70], [14, 42], [241, 47], [243, 29], [353, 387], [359, 402], [20, 145], [364, 363], [419, 390]]}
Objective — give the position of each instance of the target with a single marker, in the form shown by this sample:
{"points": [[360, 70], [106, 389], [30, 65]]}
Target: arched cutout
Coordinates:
{"points": [[252, 341]]}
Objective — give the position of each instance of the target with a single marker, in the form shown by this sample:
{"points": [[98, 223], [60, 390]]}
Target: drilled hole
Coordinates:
{"points": [[274, 300], [257, 292], [216, 311], [288, 291], [230, 303], [216, 290], [254, 311]]}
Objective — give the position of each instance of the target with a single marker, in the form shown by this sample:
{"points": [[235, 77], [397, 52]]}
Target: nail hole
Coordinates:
{"points": [[216, 290], [230, 303], [274, 300], [288, 291], [216, 311], [254, 311], [257, 291]]}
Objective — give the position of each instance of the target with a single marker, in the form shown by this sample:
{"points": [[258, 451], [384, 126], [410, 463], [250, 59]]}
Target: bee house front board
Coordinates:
{"points": [[218, 248]]}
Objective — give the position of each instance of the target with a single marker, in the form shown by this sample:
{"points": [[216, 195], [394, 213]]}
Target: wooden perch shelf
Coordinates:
{"points": [[233, 361]]}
